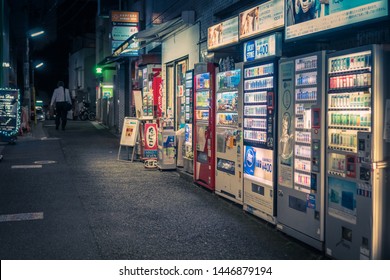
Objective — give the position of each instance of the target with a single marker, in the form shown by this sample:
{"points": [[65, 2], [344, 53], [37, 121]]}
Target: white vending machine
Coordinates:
{"points": [[259, 113], [228, 142], [301, 148], [358, 154]]}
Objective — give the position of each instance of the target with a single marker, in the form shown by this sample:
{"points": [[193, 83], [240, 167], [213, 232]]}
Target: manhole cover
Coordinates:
{"points": [[45, 162]]}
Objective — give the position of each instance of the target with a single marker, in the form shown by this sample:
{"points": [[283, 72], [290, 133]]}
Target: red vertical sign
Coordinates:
{"points": [[157, 95], [150, 141]]}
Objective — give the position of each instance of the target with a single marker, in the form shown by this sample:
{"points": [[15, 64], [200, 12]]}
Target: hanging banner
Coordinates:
{"points": [[150, 141], [9, 112], [262, 19], [157, 95], [222, 34]]}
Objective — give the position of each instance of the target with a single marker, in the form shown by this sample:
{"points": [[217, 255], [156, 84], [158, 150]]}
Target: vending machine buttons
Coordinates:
{"points": [[316, 155], [365, 174]]}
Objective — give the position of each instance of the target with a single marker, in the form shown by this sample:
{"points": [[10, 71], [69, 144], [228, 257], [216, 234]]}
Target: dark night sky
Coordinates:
{"points": [[63, 21]]}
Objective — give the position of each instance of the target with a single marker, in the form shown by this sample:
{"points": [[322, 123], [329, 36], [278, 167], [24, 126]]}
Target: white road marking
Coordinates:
{"points": [[97, 125], [26, 166], [49, 139], [45, 161], [21, 217]]}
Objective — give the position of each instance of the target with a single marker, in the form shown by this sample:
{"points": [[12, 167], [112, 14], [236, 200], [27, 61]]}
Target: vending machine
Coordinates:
{"points": [[301, 148], [358, 150], [259, 112], [228, 140], [204, 122]]}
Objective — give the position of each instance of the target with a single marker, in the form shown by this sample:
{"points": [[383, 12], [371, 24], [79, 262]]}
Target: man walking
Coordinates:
{"points": [[62, 101]]}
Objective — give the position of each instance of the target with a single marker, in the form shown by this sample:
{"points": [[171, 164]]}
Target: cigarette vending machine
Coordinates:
{"points": [[358, 150], [228, 140], [204, 122], [301, 144], [259, 121]]}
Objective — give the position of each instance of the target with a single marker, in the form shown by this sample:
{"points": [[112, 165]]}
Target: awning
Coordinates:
{"points": [[154, 34], [108, 60], [158, 31]]}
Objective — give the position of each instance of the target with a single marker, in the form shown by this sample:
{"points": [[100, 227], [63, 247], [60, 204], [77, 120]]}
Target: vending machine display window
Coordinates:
{"points": [[228, 142]]}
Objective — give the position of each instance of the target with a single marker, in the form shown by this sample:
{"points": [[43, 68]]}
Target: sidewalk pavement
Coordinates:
{"points": [[37, 132]]}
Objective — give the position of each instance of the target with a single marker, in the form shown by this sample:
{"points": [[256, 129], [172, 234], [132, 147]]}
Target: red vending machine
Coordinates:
{"points": [[204, 122]]}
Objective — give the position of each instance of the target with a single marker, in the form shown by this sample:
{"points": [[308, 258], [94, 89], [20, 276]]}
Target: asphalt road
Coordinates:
{"points": [[64, 195]]}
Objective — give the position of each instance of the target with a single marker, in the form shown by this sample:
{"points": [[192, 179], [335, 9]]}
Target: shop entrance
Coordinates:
{"points": [[175, 97]]}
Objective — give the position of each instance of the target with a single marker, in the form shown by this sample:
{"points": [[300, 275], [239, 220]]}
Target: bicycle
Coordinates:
{"points": [[85, 114]]}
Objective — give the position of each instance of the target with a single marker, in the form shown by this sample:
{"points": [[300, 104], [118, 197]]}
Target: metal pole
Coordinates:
{"points": [[33, 95], [27, 93]]}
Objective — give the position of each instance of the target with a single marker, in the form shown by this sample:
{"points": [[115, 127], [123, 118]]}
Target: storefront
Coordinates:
{"points": [[179, 53]]}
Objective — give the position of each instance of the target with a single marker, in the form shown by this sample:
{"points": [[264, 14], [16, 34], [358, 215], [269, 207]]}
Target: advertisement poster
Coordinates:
{"points": [[9, 111], [222, 34], [258, 165], [202, 100], [263, 47], [307, 17], [108, 92], [261, 19], [150, 141], [129, 132], [286, 126], [342, 199], [203, 81]]}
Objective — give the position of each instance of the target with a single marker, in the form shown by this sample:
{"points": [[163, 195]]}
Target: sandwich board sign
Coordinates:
{"points": [[129, 136]]}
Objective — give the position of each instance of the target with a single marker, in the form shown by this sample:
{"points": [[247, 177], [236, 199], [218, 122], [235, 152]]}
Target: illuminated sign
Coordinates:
{"points": [[9, 112], [308, 17], [123, 16], [124, 25], [150, 144], [261, 19], [258, 165], [108, 91], [222, 34], [263, 47]]}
